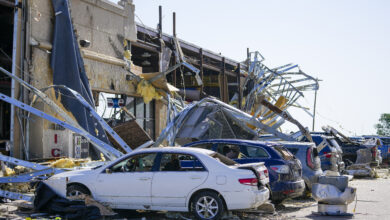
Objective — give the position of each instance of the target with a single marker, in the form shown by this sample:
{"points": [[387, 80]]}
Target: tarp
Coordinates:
{"points": [[46, 200], [68, 69]]}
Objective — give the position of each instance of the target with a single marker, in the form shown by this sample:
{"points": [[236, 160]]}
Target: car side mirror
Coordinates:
{"points": [[108, 171]]}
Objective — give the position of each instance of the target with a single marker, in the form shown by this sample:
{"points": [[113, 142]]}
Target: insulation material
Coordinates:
{"points": [[16, 187], [147, 91], [63, 163], [8, 171], [160, 83]]}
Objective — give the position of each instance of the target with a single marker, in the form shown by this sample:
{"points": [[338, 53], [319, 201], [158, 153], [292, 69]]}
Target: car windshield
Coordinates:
{"points": [[222, 159], [284, 153]]}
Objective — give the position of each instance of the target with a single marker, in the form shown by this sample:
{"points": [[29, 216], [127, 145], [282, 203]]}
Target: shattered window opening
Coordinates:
{"points": [[219, 157], [284, 153], [180, 162], [136, 163]]}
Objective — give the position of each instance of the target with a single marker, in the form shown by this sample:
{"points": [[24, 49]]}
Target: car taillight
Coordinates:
{"points": [[266, 173], [374, 151], [249, 181], [263, 174], [284, 169], [327, 155], [309, 158]]}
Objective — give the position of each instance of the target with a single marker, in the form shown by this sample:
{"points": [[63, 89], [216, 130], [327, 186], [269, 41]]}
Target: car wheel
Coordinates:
{"points": [[207, 205], [77, 190]]}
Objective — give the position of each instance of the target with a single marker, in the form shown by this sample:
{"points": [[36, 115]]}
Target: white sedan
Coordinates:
{"points": [[173, 179]]}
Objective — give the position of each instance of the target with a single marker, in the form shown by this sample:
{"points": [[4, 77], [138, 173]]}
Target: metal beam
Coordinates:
{"points": [[95, 115], [14, 161], [15, 196], [27, 177], [105, 148], [185, 45]]}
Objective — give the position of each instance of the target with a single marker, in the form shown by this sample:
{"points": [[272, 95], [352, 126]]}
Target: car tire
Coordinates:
{"points": [[207, 205], [76, 190]]}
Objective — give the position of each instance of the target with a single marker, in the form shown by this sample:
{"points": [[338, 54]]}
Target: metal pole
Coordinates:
{"points": [[160, 20], [239, 91], [314, 109], [160, 34], [14, 53], [201, 68], [174, 60]]}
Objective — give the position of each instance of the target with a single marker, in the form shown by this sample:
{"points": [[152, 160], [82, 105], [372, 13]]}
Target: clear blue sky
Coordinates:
{"points": [[346, 43]]}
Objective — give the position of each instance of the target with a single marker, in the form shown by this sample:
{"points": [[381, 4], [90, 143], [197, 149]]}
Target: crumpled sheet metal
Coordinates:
{"points": [[189, 120], [329, 194]]}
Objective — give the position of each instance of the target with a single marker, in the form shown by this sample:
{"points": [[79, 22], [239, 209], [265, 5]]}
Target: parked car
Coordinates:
{"points": [[173, 179], [285, 171], [350, 152], [384, 146], [308, 155], [349, 147], [329, 152], [369, 150]]}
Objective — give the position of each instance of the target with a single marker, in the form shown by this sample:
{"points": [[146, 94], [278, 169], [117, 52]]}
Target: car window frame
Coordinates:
{"points": [[159, 158], [133, 155]]}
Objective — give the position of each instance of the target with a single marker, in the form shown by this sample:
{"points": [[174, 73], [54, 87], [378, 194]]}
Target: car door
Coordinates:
{"points": [[127, 184], [177, 176]]}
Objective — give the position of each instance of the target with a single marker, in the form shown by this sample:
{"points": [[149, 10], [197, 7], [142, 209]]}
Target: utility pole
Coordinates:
{"points": [[314, 109]]}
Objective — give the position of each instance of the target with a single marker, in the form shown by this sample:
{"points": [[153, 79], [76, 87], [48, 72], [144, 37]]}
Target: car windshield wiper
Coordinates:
{"points": [[97, 167]]}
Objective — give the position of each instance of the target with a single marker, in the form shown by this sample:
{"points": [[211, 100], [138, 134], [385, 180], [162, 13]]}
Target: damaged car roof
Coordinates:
{"points": [[239, 141]]}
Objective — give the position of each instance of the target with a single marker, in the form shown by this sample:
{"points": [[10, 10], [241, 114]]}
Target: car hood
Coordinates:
{"points": [[73, 173]]}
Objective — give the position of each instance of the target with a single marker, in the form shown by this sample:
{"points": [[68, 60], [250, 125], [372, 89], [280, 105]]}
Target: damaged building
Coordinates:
{"points": [[114, 53]]}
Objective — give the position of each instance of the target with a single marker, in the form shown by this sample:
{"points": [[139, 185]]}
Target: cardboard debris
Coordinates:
{"points": [[131, 133]]}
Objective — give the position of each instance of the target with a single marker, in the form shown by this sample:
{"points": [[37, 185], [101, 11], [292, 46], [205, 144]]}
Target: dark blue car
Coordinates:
{"points": [[285, 171], [329, 152]]}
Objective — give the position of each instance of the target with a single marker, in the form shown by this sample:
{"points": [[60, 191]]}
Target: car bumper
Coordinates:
{"points": [[284, 190], [247, 199], [311, 177]]}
